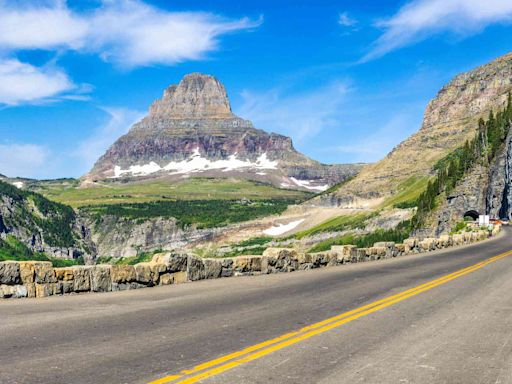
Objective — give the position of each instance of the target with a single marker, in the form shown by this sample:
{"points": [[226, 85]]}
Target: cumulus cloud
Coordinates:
{"points": [[421, 19], [23, 160], [119, 120], [345, 20], [129, 33], [300, 116], [24, 83]]}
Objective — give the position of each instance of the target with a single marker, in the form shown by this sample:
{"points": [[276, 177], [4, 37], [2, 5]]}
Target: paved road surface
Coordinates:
{"points": [[458, 330]]}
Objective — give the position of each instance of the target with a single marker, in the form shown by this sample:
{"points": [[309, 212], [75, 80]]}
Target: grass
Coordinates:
{"points": [[259, 240], [336, 224], [398, 235], [201, 213], [408, 193], [241, 252], [106, 193], [132, 260], [13, 249]]}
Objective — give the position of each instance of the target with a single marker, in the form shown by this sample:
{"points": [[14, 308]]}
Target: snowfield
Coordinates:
{"points": [[197, 163], [282, 228]]}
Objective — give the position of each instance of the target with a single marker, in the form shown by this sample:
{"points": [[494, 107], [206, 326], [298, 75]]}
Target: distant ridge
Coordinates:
{"points": [[449, 120]]}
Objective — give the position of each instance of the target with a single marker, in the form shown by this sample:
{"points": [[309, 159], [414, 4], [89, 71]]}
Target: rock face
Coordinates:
{"points": [[123, 237], [450, 119], [485, 190], [43, 225], [191, 130]]}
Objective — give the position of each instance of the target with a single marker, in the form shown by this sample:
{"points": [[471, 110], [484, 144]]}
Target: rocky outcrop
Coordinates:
{"points": [[123, 237], [450, 119], [484, 190], [43, 226], [192, 131], [39, 279], [499, 192]]}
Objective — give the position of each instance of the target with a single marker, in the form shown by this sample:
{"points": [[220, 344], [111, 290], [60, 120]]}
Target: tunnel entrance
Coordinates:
{"points": [[473, 214]]}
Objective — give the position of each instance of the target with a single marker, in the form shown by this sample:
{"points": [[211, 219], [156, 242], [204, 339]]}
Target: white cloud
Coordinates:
{"points": [[129, 33], [119, 122], [345, 20], [28, 25], [24, 83], [421, 19], [299, 116], [23, 160]]}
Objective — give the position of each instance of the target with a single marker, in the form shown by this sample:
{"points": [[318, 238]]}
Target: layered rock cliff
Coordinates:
{"points": [[450, 119], [191, 130], [486, 189]]}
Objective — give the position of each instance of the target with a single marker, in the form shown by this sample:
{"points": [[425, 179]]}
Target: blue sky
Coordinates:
{"points": [[347, 80]]}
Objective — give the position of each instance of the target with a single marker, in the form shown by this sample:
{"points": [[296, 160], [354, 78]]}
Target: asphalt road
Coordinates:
{"points": [[458, 330]]}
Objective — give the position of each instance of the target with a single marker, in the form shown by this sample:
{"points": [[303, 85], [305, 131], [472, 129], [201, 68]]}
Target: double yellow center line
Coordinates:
{"points": [[232, 360]]}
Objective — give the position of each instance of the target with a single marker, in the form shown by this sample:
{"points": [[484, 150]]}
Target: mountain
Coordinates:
{"points": [[191, 131], [42, 226], [450, 119]]}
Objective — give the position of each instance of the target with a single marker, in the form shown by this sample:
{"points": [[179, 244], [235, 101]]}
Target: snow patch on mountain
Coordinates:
{"points": [[279, 229], [307, 184], [197, 163]]}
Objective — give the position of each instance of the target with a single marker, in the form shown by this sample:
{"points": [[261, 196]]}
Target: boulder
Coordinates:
{"points": [[428, 244], [27, 272], [44, 272], [212, 268], [344, 253], [67, 287], [64, 274], [458, 239], [385, 244], [378, 253], [101, 278], [81, 279], [179, 277], [44, 290], [400, 249], [123, 274], [31, 289], [361, 254], [227, 267], [410, 244], [144, 273], [304, 258], [174, 261], [13, 291], [247, 264], [165, 279], [10, 272], [195, 268]]}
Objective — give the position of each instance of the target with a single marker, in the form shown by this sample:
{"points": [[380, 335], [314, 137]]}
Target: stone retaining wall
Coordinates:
{"points": [[40, 279]]}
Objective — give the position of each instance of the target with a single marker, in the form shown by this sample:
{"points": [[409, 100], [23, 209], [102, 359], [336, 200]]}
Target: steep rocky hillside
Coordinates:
{"points": [[483, 174], [191, 131], [42, 225], [450, 119]]}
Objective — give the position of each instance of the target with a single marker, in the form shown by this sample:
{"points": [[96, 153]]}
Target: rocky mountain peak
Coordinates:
{"points": [[191, 131], [197, 96]]}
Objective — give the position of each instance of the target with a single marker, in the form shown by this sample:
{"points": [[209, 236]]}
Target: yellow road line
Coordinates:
{"points": [[213, 367]]}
